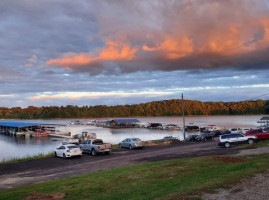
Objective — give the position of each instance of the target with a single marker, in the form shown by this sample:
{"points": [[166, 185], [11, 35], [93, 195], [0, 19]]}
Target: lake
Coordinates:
{"points": [[16, 147]]}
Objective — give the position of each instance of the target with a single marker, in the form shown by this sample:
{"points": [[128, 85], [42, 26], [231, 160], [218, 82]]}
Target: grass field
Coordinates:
{"points": [[39, 156], [165, 180]]}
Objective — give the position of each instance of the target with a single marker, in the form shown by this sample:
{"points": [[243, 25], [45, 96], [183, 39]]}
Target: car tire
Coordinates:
{"points": [[55, 154], [107, 153], [94, 153], [64, 156], [250, 141], [227, 145], [130, 147]]}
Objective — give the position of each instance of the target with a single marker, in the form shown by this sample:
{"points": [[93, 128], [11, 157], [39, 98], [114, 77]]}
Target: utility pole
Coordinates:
{"points": [[183, 116]]}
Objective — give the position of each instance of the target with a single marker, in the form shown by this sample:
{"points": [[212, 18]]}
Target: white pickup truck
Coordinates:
{"points": [[95, 147]]}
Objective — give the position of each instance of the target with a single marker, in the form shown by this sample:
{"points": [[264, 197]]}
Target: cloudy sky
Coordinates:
{"points": [[111, 52]]}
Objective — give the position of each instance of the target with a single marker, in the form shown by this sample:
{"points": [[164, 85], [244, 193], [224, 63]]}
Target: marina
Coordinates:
{"points": [[14, 147]]}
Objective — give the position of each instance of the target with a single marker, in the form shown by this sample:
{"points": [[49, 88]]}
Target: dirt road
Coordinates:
{"points": [[16, 174]]}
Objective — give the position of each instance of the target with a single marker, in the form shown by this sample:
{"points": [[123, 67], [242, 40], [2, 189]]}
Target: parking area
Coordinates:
{"points": [[52, 168]]}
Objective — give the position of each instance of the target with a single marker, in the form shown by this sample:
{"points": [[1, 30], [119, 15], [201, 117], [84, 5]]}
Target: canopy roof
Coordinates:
{"points": [[126, 120], [18, 124], [264, 118]]}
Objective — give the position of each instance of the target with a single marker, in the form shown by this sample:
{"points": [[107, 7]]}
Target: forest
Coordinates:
{"points": [[155, 108]]}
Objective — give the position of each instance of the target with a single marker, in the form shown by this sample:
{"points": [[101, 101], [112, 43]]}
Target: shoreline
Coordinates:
{"points": [[5, 119]]}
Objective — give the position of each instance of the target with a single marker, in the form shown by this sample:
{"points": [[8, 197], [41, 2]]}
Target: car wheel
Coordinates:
{"points": [[55, 154], [94, 153], [130, 147], [107, 153], [250, 141], [64, 156], [227, 144]]}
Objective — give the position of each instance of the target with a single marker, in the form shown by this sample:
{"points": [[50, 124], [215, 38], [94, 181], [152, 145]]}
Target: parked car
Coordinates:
{"points": [[261, 134], [132, 143], [67, 151], [236, 130], [191, 137], [236, 138], [245, 130], [225, 131], [204, 137], [215, 133], [95, 147], [169, 138]]}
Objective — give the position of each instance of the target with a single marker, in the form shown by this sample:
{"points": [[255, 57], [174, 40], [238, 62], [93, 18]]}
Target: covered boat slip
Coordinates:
{"points": [[264, 121], [123, 123], [17, 128], [23, 128]]}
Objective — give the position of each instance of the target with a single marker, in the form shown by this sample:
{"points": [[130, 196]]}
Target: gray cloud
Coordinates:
{"points": [[50, 30]]}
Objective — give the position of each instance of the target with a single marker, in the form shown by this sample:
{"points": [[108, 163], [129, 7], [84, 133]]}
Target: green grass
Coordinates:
{"points": [[166, 180], [16, 160], [259, 144], [115, 146]]}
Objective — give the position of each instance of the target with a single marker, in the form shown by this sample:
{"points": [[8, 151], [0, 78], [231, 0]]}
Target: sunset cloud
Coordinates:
{"points": [[96, 95], [128, 51], [112, 52], [180, 35]]}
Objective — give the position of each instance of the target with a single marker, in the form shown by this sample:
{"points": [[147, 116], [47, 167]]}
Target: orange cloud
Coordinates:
{"points": [[227, 42], [265, 25], [172, 48], [112, 51]]}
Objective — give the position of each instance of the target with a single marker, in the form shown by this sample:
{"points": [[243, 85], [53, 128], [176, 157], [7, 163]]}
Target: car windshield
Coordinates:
{"points": [[72, 147], [136, 139], [234, 129]]}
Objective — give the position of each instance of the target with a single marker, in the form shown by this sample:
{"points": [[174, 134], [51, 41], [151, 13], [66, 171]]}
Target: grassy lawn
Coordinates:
{"points": [[39, 156], [166, 180]]}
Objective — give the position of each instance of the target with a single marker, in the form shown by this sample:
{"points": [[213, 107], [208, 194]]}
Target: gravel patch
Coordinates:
{"points": [[257, 151], [253, 188]]}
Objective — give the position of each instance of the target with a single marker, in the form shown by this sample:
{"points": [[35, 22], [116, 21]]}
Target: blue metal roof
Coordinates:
{"points": [[17, 124], [126, 120]]}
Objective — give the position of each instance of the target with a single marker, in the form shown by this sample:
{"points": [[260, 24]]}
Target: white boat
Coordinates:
{"points": [[77, 122], [212, 127], [171, 127]]}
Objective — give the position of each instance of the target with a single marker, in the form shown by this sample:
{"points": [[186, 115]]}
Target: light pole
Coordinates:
{"points": [[183, 116]]}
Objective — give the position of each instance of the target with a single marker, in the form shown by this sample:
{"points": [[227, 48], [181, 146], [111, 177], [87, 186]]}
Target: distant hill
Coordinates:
{"points": [[155, 108]]}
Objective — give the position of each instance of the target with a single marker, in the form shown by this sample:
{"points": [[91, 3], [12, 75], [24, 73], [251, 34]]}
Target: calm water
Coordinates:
{"points": [[14, 147]]}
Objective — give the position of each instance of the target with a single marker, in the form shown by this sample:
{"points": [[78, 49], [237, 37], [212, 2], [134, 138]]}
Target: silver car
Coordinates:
{"points": [[132, 143]]}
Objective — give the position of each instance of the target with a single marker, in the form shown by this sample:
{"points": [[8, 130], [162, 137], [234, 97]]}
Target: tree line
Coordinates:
{"points": [[155, 108]]}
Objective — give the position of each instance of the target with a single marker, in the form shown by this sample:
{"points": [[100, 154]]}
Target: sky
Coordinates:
{"points": [[117, 52]]}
